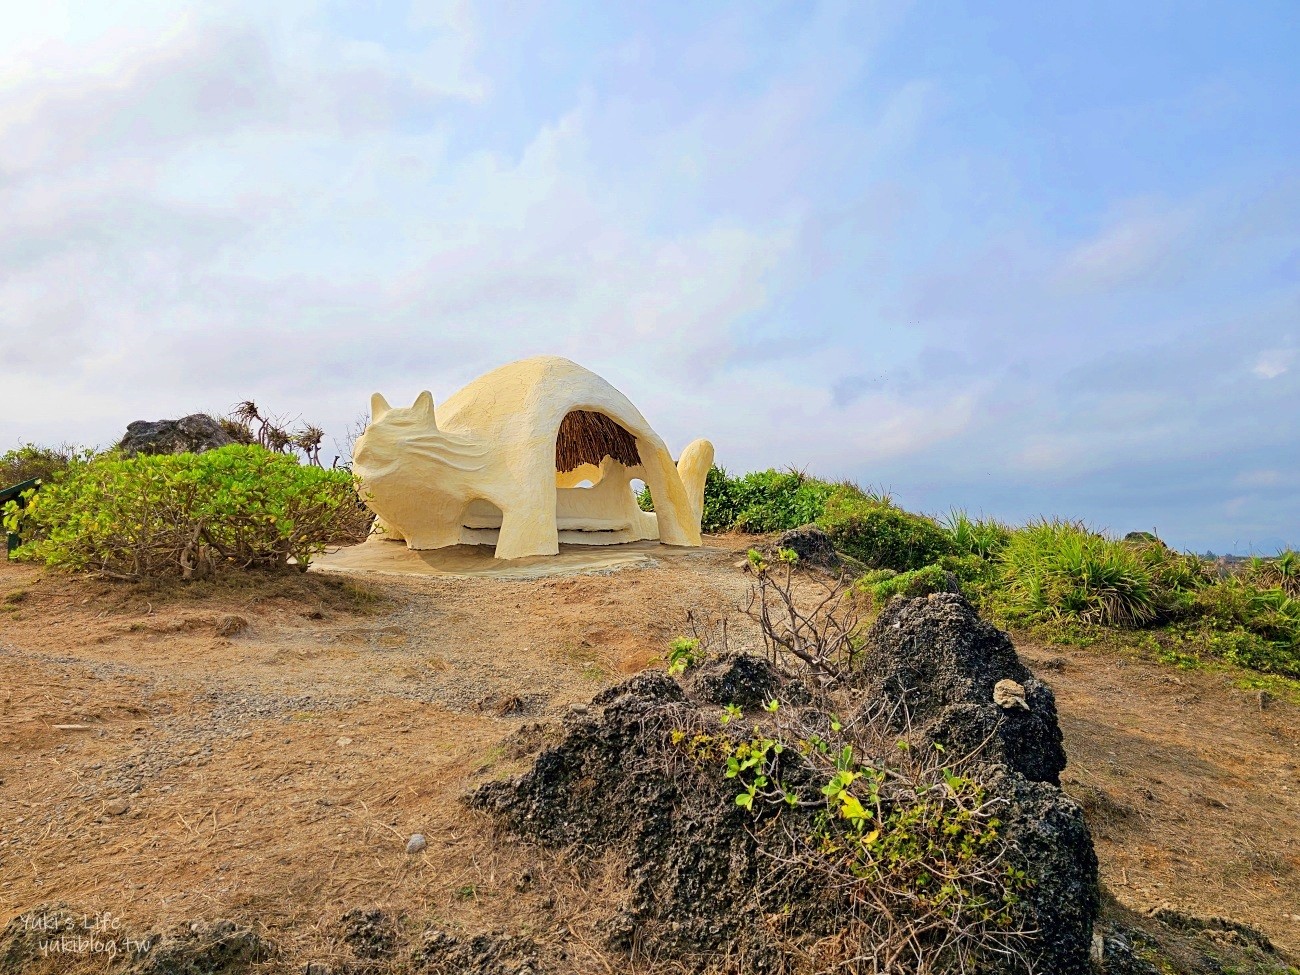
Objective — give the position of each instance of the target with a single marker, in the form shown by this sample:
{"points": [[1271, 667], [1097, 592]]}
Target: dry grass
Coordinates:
{"points": [[588, 438]]}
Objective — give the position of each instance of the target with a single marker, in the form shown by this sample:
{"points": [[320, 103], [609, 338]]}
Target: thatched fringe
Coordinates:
{"points": [[588, 438]]}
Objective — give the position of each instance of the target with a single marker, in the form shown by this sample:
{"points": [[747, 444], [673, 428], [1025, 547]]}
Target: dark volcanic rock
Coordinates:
{"points": [[370, 934], [26, 938], [1169, 942], [196, 948], [1050, 832], [191, 434], [941, 661], [736, 678], [490, 953], [811, 544], [707, 880], [1143, 538], [201, 948]]}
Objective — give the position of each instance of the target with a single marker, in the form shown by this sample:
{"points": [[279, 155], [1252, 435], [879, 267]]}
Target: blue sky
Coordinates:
{"points": [[1017, 258]]}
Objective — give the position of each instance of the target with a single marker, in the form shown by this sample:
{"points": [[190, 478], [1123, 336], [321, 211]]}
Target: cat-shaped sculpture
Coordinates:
{"points": [[485, 467]]}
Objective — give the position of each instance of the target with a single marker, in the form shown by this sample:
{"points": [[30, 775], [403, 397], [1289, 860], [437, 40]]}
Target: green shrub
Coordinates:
{"points": [[186, 514], [1281, 572], [882, 585], [758, 502], [772, 501], [875, 532], [32, 461], [1251, 626], [907, 834], [720, 508]]}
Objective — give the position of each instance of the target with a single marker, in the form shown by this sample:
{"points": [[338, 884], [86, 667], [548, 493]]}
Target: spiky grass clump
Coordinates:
{"points": [[983, 537], [1059, 570], [1281, 572]]}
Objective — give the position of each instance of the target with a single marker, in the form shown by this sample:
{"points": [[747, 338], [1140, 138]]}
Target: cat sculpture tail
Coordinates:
{"points": [[693, 468]]}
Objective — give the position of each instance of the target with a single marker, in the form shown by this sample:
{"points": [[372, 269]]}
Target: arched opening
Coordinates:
{"points": [[595, 459], [641, 490], [481, 513]]}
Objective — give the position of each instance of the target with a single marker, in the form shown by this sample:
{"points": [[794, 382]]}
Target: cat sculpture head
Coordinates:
{"points": [[407, 440]]}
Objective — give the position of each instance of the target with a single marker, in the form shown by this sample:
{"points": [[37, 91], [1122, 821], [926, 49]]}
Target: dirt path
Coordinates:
{"points": [[273, 774]]}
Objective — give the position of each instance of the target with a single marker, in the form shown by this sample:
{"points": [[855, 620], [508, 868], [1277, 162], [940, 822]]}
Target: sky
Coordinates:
{"points": [[1022, 259]]}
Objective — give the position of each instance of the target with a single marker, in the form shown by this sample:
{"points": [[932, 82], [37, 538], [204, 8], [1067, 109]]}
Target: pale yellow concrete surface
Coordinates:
{"points": [[480, 469], [379, 555]]}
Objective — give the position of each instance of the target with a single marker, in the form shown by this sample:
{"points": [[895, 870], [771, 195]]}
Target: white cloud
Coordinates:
{"points": [[1273, 363], [1138, 243], [159, 234]]}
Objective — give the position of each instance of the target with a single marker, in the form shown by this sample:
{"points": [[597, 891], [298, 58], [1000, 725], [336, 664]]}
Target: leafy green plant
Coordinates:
{"points": [[883, 585], [1281, 572], [879, 534], [683, 652], [911, 842], [45, 463], [1251, 626], [760, 501], [186, 515]]}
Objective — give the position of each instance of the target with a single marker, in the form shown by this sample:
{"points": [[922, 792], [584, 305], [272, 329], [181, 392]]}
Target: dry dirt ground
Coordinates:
{"points": [[163, 764]]}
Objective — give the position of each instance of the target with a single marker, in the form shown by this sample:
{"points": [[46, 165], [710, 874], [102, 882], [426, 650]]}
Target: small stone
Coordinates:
{"points": [[343, 742], [115, 807], [1008, 694], [416, 843]]}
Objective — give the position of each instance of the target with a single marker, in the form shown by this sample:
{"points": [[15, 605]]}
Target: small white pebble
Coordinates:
{"points": [[416, 843]]}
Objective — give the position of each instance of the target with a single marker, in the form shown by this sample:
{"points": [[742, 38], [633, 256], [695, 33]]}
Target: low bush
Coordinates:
{"points": [[720, 504], [882, 585], [1254, 626], [773, 501], [1281, 572], [32, 461], [758, 502], [914, 845], [186, 515], [877, 533]]}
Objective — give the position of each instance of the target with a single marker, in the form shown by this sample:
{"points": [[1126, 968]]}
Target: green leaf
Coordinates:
{"points": [[851, 808]]}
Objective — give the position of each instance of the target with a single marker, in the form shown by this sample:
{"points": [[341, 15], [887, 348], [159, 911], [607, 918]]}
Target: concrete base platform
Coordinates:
{"points": [[376, 555]]}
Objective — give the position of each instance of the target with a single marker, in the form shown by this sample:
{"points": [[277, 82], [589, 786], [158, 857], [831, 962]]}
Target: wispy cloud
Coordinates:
{"points": [[1273, 363]]}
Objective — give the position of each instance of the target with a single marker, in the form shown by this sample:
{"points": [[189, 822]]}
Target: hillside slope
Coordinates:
{"points": [[262, 749]]}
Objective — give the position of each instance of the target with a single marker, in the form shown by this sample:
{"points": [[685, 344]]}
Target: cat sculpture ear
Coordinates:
{"points": [[424, 407], [378, 407]]}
